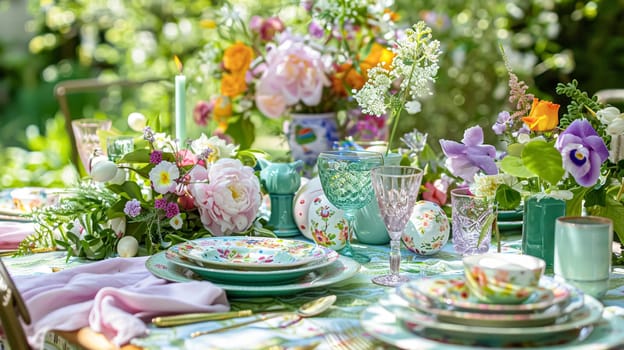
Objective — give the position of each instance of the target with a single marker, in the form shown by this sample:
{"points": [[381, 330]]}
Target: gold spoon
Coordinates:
{"points": [[309, 309]]}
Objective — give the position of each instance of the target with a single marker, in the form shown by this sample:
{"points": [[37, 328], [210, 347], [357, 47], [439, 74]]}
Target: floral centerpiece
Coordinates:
{"points": [[264, 67], [154, 196], [566, 158]]}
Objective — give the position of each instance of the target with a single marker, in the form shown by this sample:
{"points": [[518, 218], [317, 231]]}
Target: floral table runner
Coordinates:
{"points": [[354, 295]]}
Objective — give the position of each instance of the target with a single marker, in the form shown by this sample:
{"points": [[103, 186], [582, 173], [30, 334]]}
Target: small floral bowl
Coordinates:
{"points": [[496, 278]]}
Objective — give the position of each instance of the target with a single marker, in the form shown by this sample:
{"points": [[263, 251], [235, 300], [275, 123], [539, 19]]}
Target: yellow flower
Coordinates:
{"points": [[208, 24], [237, 58], [233, 85], [543, 117], [222, 111]]}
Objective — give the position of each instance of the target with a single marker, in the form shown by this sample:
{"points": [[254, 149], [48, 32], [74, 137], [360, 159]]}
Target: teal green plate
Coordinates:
{"points": [[250, 276], [510, 225], [342, 269], [510, 215]]}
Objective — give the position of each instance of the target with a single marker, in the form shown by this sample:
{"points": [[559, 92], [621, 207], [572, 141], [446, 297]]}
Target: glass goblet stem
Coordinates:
{"points": [[395, 257], [347, 250]]}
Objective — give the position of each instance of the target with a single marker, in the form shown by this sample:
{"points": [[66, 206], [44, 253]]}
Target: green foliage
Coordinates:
{"points": [[543, 159], [45, 162], [580, 104], [507, 198]]}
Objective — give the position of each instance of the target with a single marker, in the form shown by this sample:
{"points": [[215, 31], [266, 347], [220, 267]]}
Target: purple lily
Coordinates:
{"points": [[465, 160], [583, 152]]}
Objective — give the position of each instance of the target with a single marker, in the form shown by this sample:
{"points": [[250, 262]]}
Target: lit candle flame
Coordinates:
{"points": [[178, 63]]}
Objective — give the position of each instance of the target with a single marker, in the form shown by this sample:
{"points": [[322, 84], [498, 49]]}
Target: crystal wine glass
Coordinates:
{"points": [[87, 139], [396, 189], [346, 181]]}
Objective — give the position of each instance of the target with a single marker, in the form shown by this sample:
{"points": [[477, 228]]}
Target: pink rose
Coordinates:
{"points": [[202, 111], [436, 192], [230, 201], [295, 72], [269, 101], [186, 157]]}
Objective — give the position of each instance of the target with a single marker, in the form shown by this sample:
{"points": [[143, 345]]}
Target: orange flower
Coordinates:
{"points": [[394, 17], [348, 77], [222, 111], [377, 54], [237, 58], [543, 116], [233, 85]]}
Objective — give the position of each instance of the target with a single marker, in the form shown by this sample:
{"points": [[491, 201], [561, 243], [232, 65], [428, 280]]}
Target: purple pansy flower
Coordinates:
{"points": [[583, 152], [465, 160]]}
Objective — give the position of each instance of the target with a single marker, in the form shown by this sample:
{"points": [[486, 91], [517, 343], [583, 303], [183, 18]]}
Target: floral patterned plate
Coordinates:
{"points": [[451, 291], [237, 252], [476, 318], [608, 333], [342, 269], [249, 276]]}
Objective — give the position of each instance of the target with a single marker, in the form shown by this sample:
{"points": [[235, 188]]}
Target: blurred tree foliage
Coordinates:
{"points": [[547, 41]]}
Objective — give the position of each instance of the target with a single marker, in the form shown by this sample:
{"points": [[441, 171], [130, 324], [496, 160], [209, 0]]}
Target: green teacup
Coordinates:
{"points": [[496, 278]]}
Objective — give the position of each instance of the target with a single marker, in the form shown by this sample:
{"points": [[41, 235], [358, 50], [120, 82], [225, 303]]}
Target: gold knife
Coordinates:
{"points": [[178, 320]]}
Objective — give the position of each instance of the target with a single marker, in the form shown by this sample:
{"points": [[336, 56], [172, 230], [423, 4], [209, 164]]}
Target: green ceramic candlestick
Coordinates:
{"points": [[281, 180]]}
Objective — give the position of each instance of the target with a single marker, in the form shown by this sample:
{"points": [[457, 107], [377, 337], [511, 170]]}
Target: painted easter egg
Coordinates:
{"points": [[427, 231]]}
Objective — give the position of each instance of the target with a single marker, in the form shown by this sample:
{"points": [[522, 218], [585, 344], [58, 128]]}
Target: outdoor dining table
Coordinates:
{"points": [[324, 331]]}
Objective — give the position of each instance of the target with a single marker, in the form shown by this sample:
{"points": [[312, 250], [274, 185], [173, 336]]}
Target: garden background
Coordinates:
{"points": [[43, 42]]}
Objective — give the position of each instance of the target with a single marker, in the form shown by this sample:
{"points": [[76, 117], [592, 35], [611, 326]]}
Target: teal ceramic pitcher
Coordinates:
{"points": [[281, 180]]}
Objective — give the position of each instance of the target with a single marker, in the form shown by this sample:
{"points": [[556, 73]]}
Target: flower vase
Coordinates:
{"points": [[309, 135], [469, 215], [538, 226]]}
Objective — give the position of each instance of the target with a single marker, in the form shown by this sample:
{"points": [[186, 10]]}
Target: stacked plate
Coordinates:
{"points": [[436, 312], [253, 266], [510, 221]]}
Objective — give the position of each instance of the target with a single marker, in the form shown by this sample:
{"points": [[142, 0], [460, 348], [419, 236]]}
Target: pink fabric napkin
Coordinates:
{"points": [[114, 297], [12, 233]]}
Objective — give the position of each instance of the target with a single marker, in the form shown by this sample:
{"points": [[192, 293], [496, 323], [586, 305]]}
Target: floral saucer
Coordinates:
{"points": [[340, 270], [451, 291], [249, 276], [383, 324], [477, 318], [238, 252]]}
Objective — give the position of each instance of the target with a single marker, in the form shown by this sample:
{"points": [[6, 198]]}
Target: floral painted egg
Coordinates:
{"points": [[304, 196], [427, 230], [327, 224]]}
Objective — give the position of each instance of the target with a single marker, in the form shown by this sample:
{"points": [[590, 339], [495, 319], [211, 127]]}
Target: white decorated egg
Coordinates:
{"points": [[304, 196], [327, 224], [127, 247], [427, 231], [104, 170]]}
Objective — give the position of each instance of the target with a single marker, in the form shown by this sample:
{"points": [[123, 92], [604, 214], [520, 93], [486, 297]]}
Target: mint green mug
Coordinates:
{"points": [[583, 252]]}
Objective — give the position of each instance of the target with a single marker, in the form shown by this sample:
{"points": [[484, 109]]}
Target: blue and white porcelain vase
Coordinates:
{"points": [[311, 134]]}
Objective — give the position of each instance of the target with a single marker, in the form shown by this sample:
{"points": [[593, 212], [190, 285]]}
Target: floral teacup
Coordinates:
{"points": [[503, 278], [327, 224]]}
